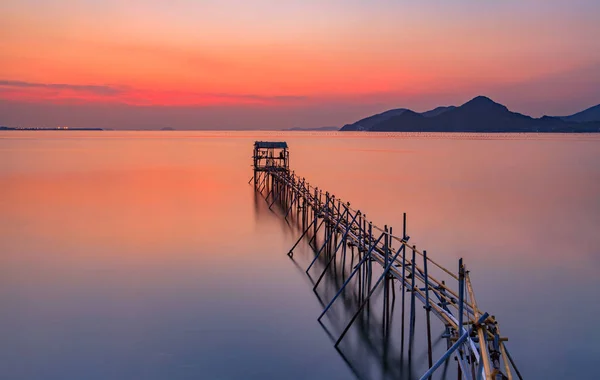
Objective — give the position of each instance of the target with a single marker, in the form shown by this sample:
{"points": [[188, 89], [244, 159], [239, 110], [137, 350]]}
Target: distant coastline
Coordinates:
{"points": [[49, 129], [479, 115]]}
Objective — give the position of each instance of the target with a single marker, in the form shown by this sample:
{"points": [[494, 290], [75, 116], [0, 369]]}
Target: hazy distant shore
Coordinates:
{"points": [[49, 129]]}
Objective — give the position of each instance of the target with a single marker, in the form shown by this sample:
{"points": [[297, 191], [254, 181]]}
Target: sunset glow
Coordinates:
{"points": [[298, 55]]}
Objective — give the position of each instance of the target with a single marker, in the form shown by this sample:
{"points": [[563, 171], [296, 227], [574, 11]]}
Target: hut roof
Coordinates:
{"points": [[271, 144]]}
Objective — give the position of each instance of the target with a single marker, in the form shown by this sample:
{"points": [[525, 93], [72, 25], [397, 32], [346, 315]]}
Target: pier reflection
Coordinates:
{"points": [[373, 347], [472, 336]]}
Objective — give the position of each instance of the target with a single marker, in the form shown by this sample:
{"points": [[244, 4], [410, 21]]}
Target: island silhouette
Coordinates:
{"points": [[480, 114]]}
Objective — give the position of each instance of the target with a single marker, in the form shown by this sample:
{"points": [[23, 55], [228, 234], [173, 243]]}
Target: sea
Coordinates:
{"points": [[148, 255]]}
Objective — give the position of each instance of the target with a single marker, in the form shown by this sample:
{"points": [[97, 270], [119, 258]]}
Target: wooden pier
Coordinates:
{"points": [[472, 336]]}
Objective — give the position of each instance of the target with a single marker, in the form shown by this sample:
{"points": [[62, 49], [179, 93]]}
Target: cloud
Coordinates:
{"points": [[255, 97], [96, 89], [69, 93]]}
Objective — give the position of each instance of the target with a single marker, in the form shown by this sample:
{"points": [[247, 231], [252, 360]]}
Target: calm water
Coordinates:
{"points": [[145, 255]]}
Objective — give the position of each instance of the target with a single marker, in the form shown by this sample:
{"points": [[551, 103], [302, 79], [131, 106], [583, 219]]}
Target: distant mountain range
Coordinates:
{"points": [[480, 114], [590, 114]]}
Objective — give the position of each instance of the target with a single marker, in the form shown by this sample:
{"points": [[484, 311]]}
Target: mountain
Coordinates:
{"points": [[590, 114], [368, 122], [437, 111], [480, 114]]}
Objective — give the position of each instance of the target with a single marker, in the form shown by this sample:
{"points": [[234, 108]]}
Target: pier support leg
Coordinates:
{"points": [[291, 252], [337, 247], [385, 272], [427, 310], [356, 268], [324, 244], [412, 304]]}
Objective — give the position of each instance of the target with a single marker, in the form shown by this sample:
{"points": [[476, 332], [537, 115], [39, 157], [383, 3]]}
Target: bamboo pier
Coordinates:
{"points": [[385, 259]]}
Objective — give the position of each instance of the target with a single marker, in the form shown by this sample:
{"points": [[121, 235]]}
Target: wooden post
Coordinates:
{"points": [[427, 310], [412, 303], [386, 250], [403, 285]]}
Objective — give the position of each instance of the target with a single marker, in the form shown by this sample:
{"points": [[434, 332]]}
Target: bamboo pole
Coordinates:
{"points": [[288, 188], [482, 345]]}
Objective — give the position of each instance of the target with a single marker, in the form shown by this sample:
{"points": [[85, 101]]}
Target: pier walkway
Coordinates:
{"points": [[386, 258]]}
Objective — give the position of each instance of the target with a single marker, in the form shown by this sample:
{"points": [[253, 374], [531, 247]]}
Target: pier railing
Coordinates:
{"points": [[472, 335]]}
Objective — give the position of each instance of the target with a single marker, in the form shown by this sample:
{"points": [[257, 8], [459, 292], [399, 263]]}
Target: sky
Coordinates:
{"points": [[274, 64]]}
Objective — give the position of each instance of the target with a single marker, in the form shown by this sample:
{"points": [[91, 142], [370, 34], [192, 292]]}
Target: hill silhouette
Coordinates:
{"points": [[368, 122], [480, 114], [590, 114], [437, 111]]}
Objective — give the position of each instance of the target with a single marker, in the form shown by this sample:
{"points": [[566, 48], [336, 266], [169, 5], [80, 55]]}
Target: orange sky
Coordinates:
{"points": [[534, 56]]}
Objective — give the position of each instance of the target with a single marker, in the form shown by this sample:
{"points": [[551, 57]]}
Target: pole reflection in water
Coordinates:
{"points": [[475, 356], [371, 348]]}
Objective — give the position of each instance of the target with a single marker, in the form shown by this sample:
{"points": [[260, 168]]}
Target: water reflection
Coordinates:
{"points": [[373, 348], [147, 255]]}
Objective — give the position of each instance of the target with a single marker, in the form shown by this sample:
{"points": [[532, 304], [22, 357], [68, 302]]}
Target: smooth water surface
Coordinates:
{"points": [[146, 255]]}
